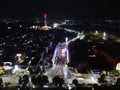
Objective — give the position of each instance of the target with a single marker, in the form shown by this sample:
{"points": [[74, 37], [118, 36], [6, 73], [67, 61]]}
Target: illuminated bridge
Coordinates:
{"points": [[60, 60]]}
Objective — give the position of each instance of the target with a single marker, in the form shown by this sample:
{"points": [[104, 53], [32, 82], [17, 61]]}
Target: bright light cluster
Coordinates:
{"points": [[118, 66]]}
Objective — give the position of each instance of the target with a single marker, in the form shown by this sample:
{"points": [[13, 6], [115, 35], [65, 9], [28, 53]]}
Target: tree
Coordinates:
{"points": [[34, 80], [57, 81], [118, 82], [40, 81], [45, 79], [75, 82], [25, 79]]}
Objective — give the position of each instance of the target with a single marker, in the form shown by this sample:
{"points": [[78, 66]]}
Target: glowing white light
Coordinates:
{"points": [[55, 25], [7, 63], [104, 34], [20, 26], [16, 67], [19, 55], [45, 86], [96, 32], [118, 66], [33, 26], [66, 39], [82, 37], [64, 50], [7, 67], [9, 27]]}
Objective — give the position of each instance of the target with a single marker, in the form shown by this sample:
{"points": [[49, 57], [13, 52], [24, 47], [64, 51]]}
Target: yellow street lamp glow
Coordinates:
{"points": [[96, 32], [104, 34], [118, 66], [19, 54]]}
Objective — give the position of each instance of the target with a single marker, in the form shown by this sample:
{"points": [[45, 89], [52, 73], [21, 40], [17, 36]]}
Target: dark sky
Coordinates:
{"points": [[60, 8]]}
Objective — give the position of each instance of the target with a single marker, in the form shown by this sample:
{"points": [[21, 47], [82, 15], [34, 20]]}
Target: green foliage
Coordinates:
{"points": [[114, 73], [1, 71]]}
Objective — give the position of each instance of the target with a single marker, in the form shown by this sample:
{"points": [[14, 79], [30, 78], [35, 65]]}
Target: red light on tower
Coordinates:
{"points": [[45, 26], [45, 15], [45, 21]]}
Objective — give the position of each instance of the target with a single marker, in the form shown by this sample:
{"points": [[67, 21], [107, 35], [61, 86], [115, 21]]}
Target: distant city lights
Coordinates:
{"points": [[9, 27], [19, 54], [118, 66], [66, 39], [96, 32], [19, 58], [16, 67], [104, 35], [55, 25]]}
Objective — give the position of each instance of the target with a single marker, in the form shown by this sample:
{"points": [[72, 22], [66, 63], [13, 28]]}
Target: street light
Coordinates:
{"points": [[55, 25], [16, 67], [118, 66], [104, 35], [66, 39], [96, 32], [19, 56]]}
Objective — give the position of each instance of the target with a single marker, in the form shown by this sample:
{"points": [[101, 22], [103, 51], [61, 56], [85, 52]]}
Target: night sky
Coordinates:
{"points": [[59, 8]]}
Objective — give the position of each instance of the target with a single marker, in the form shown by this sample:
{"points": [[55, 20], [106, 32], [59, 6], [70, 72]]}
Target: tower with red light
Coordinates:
{"points": [[45, 19], [45, 27]]}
